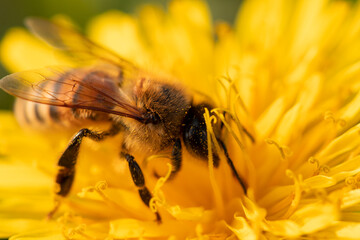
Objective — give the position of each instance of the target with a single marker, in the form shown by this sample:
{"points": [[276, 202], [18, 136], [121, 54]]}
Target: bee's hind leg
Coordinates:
{"points": [[67, 162], [139, 181]]}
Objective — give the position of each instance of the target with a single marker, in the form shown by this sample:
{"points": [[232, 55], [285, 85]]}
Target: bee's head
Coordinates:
{"points": [[163, 106], [161, 102]]}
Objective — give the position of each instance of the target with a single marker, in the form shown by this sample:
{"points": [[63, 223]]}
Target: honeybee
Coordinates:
{"points": [[154, 115]]}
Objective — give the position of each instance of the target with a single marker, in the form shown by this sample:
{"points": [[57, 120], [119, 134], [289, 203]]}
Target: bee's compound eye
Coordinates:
{"points": [[152, 117], [155, 118]]}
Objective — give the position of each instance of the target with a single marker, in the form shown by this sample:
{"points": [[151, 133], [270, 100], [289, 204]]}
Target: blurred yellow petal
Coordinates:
{"points": [[181, 41], [193, 14], [242, 230], [21, 51], [320, 181], [315, 217], [347, 230], [285, 228], [119, 32], [49, 233], [269, 118], [11, 226], [17, 47], [130, 228]]}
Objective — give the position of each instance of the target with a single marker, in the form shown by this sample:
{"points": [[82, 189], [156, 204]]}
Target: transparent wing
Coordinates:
{"points": [[90, 88], [76, 45]]}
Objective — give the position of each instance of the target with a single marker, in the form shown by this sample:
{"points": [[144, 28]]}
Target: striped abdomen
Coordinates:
{"points": [[67, 97], [42, 116]]}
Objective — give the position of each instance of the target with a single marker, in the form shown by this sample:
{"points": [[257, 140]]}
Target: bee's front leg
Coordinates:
{"points": [[67, 162], [139, 181]]}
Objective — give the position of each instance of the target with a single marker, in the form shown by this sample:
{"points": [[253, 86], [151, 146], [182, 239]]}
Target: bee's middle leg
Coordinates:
{"points": [[139, 181], [176, 158]]}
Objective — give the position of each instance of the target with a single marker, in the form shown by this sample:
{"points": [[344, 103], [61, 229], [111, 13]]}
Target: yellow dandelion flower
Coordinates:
{"points": [[285, 82]]}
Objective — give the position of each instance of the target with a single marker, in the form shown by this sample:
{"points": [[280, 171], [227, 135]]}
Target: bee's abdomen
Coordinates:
{"points": [[42, 116], [46, 116]]}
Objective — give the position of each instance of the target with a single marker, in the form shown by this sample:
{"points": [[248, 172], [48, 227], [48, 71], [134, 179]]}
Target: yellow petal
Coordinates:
{"points": [[347, 230], [130, 228], [341, 145], [319, 181], [316, 216], [194, 14], [50, 232], [22, 51], [351, 198], [284, 228], [10, 226], [119, 32], [31, 179], [286, 128], [348, 168], [242, 229], [270, 117]]}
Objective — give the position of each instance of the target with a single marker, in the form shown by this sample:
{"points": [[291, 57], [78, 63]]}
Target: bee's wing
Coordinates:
{"points": [[83, 88], [76, 45]]}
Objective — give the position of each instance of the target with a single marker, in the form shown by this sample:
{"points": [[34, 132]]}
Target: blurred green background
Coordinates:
{"points": [[13, 12]]}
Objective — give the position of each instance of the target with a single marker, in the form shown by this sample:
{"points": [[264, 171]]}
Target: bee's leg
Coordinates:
{"points": [[139, 181], [176, 158], [66, 173], [231, 164]]}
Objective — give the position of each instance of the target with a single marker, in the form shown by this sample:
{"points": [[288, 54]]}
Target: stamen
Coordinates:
{"points": [[68, 233], [341, 122], [324, 168], [71, 233], [229, 89], [248, 163], [353, 181], [319, 168], [329, 116], [221, 82], [296, 195], [284, 150], [217, 193], [99, 188], [313, 160], [229, 128], [146, 161], [350, 181], [84, 191], [159, 198], [213, 120]]}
